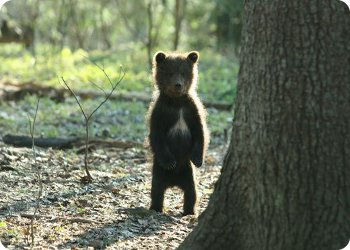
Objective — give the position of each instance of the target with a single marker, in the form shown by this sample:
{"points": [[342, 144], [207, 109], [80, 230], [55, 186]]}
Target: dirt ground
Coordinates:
{"points": [[109, 213]]}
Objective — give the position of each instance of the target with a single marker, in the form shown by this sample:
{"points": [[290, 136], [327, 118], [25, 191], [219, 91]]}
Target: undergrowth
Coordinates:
{"points": [[217, 73]]}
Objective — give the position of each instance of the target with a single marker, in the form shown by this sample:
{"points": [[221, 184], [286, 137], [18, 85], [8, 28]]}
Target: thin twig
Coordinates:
{"points": [[32, 131], [88, 117], [112, 90], [75, 96], [99, 87], [105, 73]]}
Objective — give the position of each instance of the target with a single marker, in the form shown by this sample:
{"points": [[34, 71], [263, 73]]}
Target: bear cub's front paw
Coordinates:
{"points": [[197, 160]]}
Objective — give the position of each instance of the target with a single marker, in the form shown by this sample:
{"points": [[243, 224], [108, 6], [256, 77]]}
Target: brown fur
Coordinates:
{"points": [[178, 131]]}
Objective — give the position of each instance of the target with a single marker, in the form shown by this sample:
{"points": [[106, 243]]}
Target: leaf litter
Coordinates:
{"points": [[109, 213]]}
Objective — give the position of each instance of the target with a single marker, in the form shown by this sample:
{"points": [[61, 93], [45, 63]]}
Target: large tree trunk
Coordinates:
{"points": [[285, 180]]}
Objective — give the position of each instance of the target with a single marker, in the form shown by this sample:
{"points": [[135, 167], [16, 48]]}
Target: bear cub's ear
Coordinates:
{"points": [[160, 56], [193, 56]]}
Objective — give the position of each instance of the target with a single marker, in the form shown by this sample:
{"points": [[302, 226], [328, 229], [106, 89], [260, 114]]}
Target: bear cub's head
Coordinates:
{"points": [[175, 74]]}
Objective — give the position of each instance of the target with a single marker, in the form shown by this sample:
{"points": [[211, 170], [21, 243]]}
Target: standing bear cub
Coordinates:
{"points": [[178, 131]]}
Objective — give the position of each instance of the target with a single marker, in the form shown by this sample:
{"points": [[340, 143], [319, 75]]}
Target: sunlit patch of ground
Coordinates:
{"points": [[112, 212]]}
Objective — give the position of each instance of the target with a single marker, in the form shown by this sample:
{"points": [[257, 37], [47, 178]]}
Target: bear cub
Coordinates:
{"points": [[178, 132]]}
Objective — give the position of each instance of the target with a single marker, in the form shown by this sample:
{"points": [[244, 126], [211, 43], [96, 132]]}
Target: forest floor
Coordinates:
{"points": [[112, 211], [109, 213]]}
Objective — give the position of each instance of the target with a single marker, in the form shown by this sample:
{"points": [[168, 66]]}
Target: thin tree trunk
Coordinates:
{"points": [[77, 30], [62, 23], [149, 44], [105, 31], [285, 179], [155, 20], [179, 13]]}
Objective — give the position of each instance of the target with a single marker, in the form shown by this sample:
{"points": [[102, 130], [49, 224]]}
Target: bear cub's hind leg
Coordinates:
{"points": [[157, 194], [190, 194]]}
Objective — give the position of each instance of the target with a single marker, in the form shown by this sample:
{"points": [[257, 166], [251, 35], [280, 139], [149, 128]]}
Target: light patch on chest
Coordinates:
{"points": [[180, 126]]}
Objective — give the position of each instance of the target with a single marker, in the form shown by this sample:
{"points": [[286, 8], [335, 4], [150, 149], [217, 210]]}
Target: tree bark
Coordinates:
{"points": [[285, 178]]}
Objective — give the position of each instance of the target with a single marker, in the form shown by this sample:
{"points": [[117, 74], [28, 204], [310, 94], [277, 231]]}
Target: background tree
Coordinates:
{"points": [[19, 26], [179, 15], [145, 25], [228, 15], [285, 179]]}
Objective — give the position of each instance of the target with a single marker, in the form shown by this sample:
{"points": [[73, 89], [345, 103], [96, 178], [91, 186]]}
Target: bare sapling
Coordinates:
{"points": [[37, 170], [88, 117]]}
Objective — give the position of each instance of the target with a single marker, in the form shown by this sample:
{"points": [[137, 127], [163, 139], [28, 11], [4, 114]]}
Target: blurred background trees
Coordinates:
{"points": [[110, 24], [42, 39]]}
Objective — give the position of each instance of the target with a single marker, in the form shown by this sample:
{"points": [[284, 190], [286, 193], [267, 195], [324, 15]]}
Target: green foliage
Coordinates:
{"points": [[6, 231], [200, 24], [3, 224], [117, 119], [218, 74], [107, 24], [228, 16], [218, 77]]}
